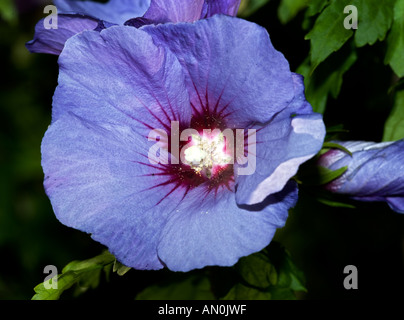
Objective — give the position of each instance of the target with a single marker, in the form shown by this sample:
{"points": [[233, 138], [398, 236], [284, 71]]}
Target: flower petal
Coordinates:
{"points": [[115, 11], [119, 75], [282, 146], [96, 184], [299, 104], [396, 203], [213, 230], [232, 67], [53, 40]]}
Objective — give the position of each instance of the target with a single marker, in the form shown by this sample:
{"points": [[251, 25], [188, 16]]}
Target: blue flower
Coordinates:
{"points": [[118, 85], [76, 16], [375, 171]]}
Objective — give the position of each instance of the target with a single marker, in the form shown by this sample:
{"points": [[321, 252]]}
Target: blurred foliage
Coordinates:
{"points": [[267, 275], [248, 7], [8, 11], [288, 9], [191, 286], [353, 77], [327, 78]]}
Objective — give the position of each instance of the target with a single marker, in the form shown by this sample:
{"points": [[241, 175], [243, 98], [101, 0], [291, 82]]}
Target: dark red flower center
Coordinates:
{"points": [[205, 159]]}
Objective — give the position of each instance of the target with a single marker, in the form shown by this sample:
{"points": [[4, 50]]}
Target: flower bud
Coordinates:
{"points": [[375, 171]]}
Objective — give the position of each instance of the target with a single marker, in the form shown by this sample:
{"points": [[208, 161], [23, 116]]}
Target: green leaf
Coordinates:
{"points": [[336, 129], [120, 269], [180, 287], [288, 9], [90, 280], [86, 273], [374, 20], [248, 7], [327, 78], [326, 175], [332, 145], [90, 264], [395, 41], [269, 274], [328, 34], [316, 6], [394, 126], [312, 174], [64, 281], [333, 133], [257, 270], [334, 203], [289, 276]]}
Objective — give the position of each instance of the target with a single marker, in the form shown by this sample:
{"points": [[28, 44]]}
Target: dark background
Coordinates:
{"points": [[322, 240]]}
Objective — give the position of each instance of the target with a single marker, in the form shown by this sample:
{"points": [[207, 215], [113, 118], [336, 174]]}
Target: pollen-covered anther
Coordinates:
{"points": [[207, 154]]}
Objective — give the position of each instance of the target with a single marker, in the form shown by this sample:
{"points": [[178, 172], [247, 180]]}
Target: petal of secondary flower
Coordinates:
{"points": [[334, 155], [115, 11], [213, 230], [120, 76], [96, 184], [299, 104], [396, 203], [373, 174], [282, 146], [232, 67], [229, 7], [162, 11], [53, 40]]}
